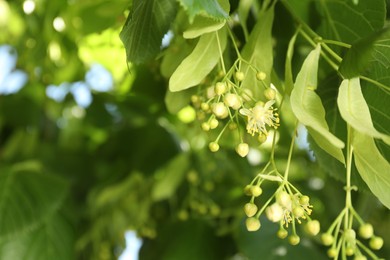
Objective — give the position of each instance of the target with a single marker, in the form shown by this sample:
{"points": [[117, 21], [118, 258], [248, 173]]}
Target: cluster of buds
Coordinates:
{"points": [[345, 242], [284, 207], [227, 103]]}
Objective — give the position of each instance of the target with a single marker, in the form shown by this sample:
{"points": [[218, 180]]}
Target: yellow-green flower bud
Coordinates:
{"points": [[366, 231], [232, 100], [313, 227], [270, 93], [250, 209], [213, 123], [294, 240], [220, 110], [242, 149], [332, 252], [261, 75], [282, 233], [252, 224], [327, 239], [376, 243], [240, 76], [275, 212], [220, 88], [205, 126], [214, 147], [256, 191]]}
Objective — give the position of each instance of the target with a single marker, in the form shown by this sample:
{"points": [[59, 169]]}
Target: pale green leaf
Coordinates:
{"points": [[258, 52], [244, 8], [170, 176], [145, 27], [196, 66], [308, 108], [52, 240], [210, 8], [202, 25], [289, 81], [372, 166], [27, 198], [354, 109]]}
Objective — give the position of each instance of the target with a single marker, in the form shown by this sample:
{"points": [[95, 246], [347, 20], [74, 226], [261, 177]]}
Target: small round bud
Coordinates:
{"points": [[248, 190], [261, 75], [183, 215], [214, 147], [262, 138], [350, 235], [240, 75], [220, 88], [232, 126], [284, 199], [282, 233], [205, 106], [350, 250], [366, 231], [232, 100], [304, 200], [313, 227], [275, 212], [332, 252], [298, 212], [210, 93], [220, 110], [213, 123], [376, 243], [205, 126], [242, 149], [270, 93], [294, 240], [256, 191], [252, 224], [195, 99], [327, 239], [247, 94], [360, 257], [250, 209]]}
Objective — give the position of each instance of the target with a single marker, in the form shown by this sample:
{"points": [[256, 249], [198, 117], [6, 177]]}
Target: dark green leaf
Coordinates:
{"points": [[52, 240], [344, 21], [145, 28], [27, 198], [210, 8], [356, 60]]}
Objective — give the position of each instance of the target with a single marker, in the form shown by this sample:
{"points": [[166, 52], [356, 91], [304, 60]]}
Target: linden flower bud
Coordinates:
{"points": [[205, 126], [220, 88], [350, 235], [282, 233], [275, 212], [298, 212], [366, 231], [213, 123], [232, 100], [205, 106], [214, 147], [304, 200], [220, 110], [360, 257], [332, 252], [242, 149], [376, 243], [284, 199], [269, 93], [250, 209], [261, 75], [210, 93], [247, 94], [327, 239], [294, 240], [252, 224], [195, 99], [240, 75], [350, 250], [248, 190], [256, 191], [313, 227]]}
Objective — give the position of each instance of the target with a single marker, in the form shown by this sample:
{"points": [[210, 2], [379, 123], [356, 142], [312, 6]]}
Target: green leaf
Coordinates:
{"points": [[27, 198], [196, 66], [258, 52], [202, 25], [372, 166], [356, 60], [345, 21], [308, 108], [354, 109], [209, 8], [145, 28], [170, 176], [52, 240], [289, 81]]}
